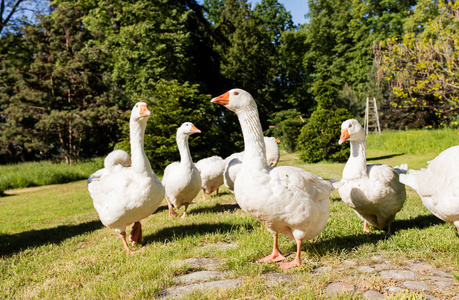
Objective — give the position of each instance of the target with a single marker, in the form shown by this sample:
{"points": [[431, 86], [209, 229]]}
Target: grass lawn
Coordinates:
{"points": [[53, 245]]}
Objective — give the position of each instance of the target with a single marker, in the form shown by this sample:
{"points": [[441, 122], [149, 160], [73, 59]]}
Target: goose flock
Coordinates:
{"points": [[286, 200]]}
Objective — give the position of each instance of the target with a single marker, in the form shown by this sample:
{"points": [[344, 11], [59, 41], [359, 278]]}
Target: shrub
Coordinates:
{"points": [[319, 137], [287, 127]]}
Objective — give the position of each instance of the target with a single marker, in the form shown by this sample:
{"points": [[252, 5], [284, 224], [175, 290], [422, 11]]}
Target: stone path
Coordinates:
{"points": [[415, 276]]}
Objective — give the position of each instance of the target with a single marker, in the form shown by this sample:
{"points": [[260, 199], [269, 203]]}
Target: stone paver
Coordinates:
{"points": [[399, 274], [199, 276], [393, 289], [349, 263], [338, 288], [416, 285], [441, 273], [382, 267], [177, 292], [419, 267], [373, 295], [366, 269], [211, 264], [275, 278], [416, 276]]}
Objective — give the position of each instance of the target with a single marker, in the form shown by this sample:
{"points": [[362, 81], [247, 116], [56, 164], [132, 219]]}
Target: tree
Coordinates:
{"points": [[422, 69], [13, 12], [59, 99], [340, 36], [244, 46], [172, 104], [319, 136]]}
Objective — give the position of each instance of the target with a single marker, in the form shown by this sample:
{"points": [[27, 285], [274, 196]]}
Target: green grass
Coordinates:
{"points": [[53, 245], [31, 174], [414, 141]]}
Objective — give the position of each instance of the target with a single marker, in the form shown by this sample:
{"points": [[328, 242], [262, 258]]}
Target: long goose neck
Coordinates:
{"points": [[356, 166], [254, 144], [184, 150], [140, 162]]}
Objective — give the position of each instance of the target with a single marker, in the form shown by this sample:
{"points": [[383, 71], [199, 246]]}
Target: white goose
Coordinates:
{"points": [[373, 191], [211, 171], [285, 199], [123, 194], [181, 179], [438, 185], [272, 151], [233, 162]]}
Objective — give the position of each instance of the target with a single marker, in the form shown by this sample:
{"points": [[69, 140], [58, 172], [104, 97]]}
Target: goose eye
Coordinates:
{"points": [[350, 125], [236, 93]]}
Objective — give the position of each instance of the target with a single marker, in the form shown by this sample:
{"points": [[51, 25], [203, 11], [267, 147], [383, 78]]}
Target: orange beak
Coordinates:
{"points": [[344, 136], [194, 129], [222, 99], [277, 141], [144, 112]]}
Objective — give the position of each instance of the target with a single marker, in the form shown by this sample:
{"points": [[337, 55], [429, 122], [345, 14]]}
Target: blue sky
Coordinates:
{"points": [[298, 8]]}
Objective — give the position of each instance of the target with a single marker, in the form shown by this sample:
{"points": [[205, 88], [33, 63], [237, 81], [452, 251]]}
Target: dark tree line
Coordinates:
{"points": [[69, 78]]}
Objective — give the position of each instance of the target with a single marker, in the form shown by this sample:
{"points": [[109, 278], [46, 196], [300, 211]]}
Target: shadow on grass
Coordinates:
{"points": [[217, 208], [324, 246], [384, 156], [419, 222], [170, 233], [13, 243]]}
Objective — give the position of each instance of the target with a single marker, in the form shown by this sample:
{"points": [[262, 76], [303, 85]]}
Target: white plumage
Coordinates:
{"points": [[285, 199], [373, 191], [211, 171], [123, 193], [181, 179], [272, 150], [233, 162], [438, 185]]}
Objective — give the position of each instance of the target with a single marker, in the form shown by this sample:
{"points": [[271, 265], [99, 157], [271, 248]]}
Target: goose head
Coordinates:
{"points": [[351, 130], [187, 129], [140, 112], [235, 100]]}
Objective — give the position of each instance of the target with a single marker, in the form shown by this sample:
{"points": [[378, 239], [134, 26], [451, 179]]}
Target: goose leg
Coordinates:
{"points": [[126, 247], [203, 194], [123, 239], [276, 255], [171, 209], [366, 228], [184, 213], [297, 261], [136, 234], [217, 193], [388, 228]]}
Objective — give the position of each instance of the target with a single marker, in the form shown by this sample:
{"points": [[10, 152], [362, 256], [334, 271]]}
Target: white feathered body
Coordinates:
{"points": [[376, 196], [272, 151], [122, 197], [182, 180], [232, 167], [286, 200], [234, 161], [182, 183], [438, 185], [123, 193], [372, 190], [211, 170]]}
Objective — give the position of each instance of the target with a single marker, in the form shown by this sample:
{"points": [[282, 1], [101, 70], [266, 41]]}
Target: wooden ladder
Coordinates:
{"points": [[371, 117]]}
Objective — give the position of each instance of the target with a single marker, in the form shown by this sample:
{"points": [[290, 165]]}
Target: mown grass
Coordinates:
{"points": [[31, 174], [426, 141], [53, 245]]}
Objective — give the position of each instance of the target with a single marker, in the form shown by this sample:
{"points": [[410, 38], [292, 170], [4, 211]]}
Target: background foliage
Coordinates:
{"points": [[69, 77]]}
